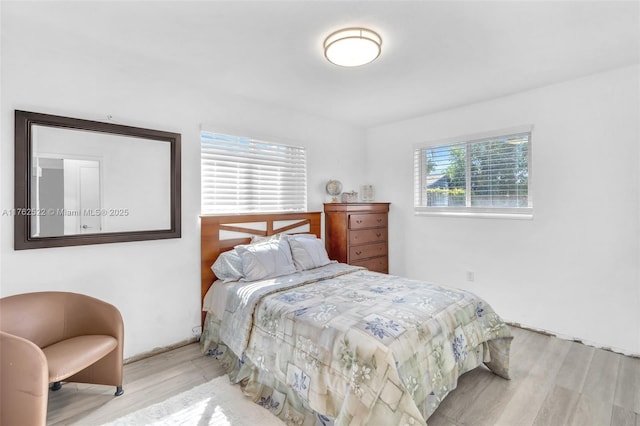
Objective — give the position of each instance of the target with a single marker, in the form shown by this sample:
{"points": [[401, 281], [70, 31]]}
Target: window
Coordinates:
{"points": [[243, 175], [482, 176]]}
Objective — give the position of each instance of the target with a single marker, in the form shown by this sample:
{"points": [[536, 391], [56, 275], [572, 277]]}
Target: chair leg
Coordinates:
{"points": [[119, 391], [56, 386]]}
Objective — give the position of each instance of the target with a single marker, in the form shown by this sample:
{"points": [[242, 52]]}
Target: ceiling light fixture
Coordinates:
{"points": [[352, 47]]}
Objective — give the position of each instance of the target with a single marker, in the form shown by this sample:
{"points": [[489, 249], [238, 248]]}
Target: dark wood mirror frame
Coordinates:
{"points": [[24, 121]]}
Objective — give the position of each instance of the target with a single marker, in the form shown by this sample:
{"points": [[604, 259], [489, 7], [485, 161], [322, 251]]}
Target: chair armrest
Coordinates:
{"points": [[86, 315], [24, 382]]}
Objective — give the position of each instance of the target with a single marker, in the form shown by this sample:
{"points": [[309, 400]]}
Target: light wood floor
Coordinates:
{"points": [[554, 382]]}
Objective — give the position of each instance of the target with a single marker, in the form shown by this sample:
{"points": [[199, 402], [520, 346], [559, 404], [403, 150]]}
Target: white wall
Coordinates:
{"points": [[155, 284], [573, 269]]}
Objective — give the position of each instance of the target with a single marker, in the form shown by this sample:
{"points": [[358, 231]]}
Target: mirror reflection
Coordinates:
{"points": [[86, 182]]}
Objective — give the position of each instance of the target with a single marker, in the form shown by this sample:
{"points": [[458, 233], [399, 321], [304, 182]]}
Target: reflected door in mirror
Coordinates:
{"points": [[67, 193]]}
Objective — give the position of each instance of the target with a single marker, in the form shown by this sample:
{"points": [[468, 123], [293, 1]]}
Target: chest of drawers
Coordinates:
{"points": [[357, 234]]}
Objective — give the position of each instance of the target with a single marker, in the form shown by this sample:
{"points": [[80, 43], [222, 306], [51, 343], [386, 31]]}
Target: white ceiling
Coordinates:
{"points": [[435, 55]]}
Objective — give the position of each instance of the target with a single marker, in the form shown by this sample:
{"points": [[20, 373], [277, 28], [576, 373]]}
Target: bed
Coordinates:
{"points": [[318, 342]]}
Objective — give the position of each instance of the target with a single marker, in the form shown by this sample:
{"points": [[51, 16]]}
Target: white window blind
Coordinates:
{"points": [[243, 175], [487, 175]]}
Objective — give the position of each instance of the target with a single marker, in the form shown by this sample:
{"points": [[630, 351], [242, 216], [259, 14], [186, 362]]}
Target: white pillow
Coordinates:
{"points": [[266, 260], [307, 253], [228, 266], [255, 239]]}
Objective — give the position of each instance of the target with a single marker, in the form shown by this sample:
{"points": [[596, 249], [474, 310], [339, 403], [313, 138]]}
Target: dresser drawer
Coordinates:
{"points": [[365, 252], [377, 264], [360, 221], [368, 236]]}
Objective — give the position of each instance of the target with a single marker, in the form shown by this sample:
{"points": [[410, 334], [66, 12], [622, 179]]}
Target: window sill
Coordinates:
{"points": [[512, 214]]}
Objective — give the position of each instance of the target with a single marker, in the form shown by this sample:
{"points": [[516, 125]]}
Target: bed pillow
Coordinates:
{"points": [[260, 239], [307, 253], [228, 266], [255, 239], [264, 260]]}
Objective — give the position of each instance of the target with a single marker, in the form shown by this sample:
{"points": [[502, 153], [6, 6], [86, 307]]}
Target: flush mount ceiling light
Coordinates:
{"points": [[352, 47]]}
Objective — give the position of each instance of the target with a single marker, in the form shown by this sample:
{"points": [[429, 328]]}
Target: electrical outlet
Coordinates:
{"points": [[471, 276]]}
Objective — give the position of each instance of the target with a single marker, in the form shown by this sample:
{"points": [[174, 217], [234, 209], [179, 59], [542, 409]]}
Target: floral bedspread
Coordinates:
{"points": [[347, 346]]}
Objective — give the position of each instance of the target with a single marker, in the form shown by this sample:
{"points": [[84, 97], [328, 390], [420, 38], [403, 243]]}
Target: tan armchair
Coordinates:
{"points": [[50, 337]]}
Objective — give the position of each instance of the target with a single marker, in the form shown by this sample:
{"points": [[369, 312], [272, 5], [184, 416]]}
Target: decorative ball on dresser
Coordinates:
{"points": [[334, 188]]}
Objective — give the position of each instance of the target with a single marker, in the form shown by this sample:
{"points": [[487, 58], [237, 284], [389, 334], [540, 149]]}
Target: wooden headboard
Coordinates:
{"points": [[219, 233]]}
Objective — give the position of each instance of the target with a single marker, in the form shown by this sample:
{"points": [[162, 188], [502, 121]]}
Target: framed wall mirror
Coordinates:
{"points": [[83, 182]]}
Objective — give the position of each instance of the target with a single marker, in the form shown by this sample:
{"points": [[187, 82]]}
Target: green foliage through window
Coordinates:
{"points": [[490, 173]]}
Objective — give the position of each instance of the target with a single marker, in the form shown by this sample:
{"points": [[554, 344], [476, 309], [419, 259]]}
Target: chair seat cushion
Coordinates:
{"points": [[72, 355]]}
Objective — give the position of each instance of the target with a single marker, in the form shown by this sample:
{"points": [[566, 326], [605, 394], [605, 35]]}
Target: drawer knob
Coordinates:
{"points": [[358, 220], [379, 220], [378, 234], [358, 253]]}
